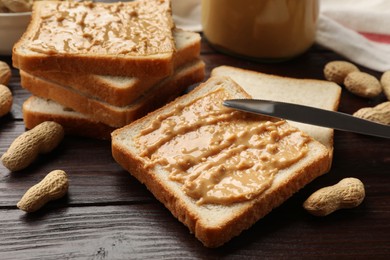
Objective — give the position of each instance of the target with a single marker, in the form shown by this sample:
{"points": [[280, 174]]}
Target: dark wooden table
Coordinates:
{"points": [[107, 214]]}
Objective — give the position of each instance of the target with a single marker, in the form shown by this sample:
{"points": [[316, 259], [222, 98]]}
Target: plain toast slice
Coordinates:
{"points": [[121, 39], [115, 116], [212, 223], [37, 110]]}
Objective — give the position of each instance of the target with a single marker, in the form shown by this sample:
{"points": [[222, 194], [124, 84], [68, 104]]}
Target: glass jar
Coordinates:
{"points": [[265, 30]]}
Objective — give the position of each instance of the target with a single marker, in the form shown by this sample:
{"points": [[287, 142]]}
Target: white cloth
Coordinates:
{"points": [[359, 30], [360, 15]]}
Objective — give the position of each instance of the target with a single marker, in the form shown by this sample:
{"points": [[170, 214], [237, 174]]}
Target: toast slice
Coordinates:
{"points": [[194, 138], [121, 39], [37, 110], [121, 91], [309, 92], [115, 116]]}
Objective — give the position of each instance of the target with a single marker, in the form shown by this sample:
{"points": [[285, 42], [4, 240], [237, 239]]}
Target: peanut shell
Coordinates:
{"points": [[336, 71], [379, 114], [53, 186], [5, 73], [362, 84], [385, 81], [6, 100]]}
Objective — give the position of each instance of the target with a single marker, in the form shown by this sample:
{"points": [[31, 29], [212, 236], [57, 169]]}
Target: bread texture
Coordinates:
{"points": [[120, 39], [315, 93], [115, 116], [121, 91], [212, 224], [37, 110]]}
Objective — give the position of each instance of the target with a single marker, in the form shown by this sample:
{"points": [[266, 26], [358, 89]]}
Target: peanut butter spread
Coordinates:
{"points": [[139, 27], [219, 155]]}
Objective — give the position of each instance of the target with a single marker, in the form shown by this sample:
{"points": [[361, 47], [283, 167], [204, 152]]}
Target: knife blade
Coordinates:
{"points": [[310, 115]]}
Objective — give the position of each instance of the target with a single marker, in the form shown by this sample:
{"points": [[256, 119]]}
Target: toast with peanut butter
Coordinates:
{"points": [[309, 92], [117, 116], [120, 39], [122, 91], [217, 170]]}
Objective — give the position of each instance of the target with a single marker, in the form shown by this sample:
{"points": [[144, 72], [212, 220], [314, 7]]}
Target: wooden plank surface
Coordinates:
{"points": [[109, 215]]}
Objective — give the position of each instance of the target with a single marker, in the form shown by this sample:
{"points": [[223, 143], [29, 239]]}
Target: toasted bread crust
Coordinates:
{"points": [[243, 214], [159, 65]]}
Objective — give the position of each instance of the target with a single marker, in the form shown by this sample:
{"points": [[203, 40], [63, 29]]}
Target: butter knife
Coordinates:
{"points": [[310, 115]]}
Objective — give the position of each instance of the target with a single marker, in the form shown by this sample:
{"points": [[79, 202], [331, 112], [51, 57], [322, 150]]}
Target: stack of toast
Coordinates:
{"points": [[111, 63]]}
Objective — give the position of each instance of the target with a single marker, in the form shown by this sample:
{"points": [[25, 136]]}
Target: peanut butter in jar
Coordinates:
{"points": [[265, 30]]}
